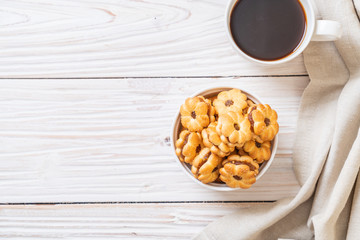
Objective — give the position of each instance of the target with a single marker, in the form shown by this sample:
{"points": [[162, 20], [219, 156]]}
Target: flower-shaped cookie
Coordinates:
{"points": [[260, 152], [234, 129], [196, 113], [263, 119], [233, 100], [213, 141], [188, 146], [239, 172], [206, 166]]}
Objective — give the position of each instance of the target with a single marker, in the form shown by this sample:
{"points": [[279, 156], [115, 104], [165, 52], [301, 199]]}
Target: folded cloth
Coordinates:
{"points": [[327, 149]]}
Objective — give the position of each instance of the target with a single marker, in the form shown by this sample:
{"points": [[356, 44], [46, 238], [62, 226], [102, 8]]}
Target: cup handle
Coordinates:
{"points": [[327, 30]]}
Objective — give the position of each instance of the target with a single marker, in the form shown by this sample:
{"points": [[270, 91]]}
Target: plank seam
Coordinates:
{"points": [[160, 77], [133, 202]]}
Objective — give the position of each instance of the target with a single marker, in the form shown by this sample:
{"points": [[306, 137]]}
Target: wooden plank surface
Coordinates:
{"points": [[117, 38], [88, 91], [84, 140], [125, 221]]}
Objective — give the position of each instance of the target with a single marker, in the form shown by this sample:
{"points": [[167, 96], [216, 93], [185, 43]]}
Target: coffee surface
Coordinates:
{"points": [[268, 29]]}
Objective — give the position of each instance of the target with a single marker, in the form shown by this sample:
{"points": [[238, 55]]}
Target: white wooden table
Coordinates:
{"points": [[88, 91]]}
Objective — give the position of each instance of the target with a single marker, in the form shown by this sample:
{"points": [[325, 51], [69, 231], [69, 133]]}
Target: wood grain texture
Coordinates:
{"points": [[117, 38], [134, 221], [108, 140]]}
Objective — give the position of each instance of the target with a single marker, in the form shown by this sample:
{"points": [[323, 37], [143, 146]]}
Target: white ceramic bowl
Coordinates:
{"points": [[210, 92]]}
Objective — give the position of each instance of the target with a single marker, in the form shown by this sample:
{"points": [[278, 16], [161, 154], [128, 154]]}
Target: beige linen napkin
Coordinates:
{"points": [[327, 148]]}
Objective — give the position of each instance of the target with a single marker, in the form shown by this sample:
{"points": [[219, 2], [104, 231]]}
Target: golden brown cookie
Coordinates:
{"points": [[260, 152], [234, 129], [206, 166], [263, 120], [239, 172], [233, 100], [257, 138], [211, 111], [188, 146], [249, 103], [195, 113], [213, 141]]}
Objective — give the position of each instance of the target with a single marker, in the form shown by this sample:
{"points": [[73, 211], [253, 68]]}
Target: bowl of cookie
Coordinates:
{"points": [[224, 138]]}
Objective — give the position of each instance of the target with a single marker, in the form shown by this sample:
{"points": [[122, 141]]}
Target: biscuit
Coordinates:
{"points": [[263, 120], [239, 171], [195, 113], [212, 140], [250, 103], [206, 166], [234, 129], [211, 111], [260, 152], [233, 100], [188, 146]]}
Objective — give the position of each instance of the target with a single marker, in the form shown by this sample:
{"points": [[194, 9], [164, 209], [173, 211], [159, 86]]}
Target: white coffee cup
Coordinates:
{"points": [[316, 30]]}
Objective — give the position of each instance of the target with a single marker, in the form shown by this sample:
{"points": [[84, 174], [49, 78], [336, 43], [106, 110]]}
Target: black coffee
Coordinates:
{"points": [[268, 29]]}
